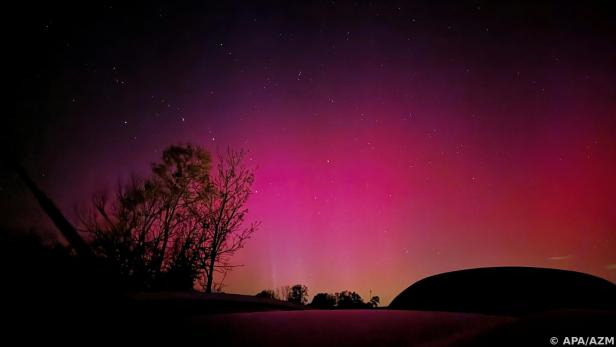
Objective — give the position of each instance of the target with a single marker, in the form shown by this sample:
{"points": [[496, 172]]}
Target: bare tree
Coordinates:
{"points": [[121, 230], [146, 229], [222, 214], [178, 225], [282, 292], [183, 178]]}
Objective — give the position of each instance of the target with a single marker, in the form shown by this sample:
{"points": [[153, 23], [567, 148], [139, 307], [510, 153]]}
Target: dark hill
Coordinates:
{"points": [[507, 290]]}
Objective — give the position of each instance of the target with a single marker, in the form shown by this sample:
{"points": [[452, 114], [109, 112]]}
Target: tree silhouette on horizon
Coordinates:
{"points": [[324, 301], [224, 204], [298, 294], [177, 226]]}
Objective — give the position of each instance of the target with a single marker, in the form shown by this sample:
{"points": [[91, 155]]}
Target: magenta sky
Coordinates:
{"points": [[392, 142], [377, 192]]}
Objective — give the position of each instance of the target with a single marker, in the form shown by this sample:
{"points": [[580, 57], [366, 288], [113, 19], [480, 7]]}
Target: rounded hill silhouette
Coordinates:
{"points": [[507, 291]]}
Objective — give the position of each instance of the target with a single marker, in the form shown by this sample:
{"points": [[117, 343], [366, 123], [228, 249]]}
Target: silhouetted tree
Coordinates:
{"points": [[375, 301], [348, 299], [222, 215], [123, 231], [267, 294], [282, 292], [182, 179], [324, 300], [298, 294], [177, 225]]}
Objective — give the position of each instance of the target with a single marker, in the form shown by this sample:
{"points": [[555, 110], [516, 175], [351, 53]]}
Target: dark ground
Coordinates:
{"points": [[51, 297]]}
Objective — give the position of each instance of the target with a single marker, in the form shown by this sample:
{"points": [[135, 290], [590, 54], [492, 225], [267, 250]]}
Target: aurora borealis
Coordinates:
{"points": [[393, 140]]}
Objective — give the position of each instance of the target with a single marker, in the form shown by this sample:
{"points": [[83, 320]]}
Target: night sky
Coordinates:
{"points": [[393, 140]]}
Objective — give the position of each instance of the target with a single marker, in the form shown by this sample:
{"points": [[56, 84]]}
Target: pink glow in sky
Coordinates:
{"points": [[391, 143], [373, 197]]}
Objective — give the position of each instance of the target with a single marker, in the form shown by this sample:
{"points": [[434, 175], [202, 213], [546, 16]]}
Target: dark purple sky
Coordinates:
{"points": [[393, 141]]}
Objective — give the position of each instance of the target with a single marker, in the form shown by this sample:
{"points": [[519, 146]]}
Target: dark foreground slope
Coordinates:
{"points": [[52, 297]]}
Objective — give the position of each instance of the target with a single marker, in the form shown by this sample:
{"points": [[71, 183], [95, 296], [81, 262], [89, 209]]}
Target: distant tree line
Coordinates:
{"points": [[344, 300], [299, 294], [177, 227]]}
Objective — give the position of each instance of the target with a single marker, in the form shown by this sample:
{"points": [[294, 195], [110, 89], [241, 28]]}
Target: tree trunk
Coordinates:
{"points": [[210, 275]]}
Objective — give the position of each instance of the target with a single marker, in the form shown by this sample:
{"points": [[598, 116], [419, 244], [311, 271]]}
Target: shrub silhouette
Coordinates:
{"points": [[375, 301], [343, 300], [324, 301], [347, 299], [298, 294], [267, 294]]}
